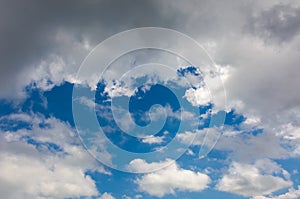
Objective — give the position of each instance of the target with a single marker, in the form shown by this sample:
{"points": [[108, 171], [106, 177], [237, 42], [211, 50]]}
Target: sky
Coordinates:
{"points": [[111, 99]]}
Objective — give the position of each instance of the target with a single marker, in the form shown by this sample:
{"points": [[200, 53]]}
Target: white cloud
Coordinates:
{"points": [[209, 135], [126, 197], [106, 196], [187, 136], [291, 194], [153, 139], [29, 171], [116, 89], [263, 75], [198, 97], [17, 117], [290, 136], [29, 177], [169, 179], [290, 132], [87, 102], [139, 165], [253, 180], [138, 196], [251, 147]]}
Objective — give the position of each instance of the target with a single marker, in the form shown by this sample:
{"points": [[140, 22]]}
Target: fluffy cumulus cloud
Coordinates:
{"points": [[44, 161], [169, 180], [27, 177], [198, 97], [254, 180]]}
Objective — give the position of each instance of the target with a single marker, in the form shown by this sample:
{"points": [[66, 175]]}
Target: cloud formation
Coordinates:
{"points": [[253, 180], [44, 162], [169, 180]]}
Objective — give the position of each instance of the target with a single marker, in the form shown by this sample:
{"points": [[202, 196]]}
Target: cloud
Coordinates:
{"points": [[291, 194], [45, 161], [169, 179], [198, 97], [25, 177], [279, 23], [33, 35], [139, 165], [205, 138], [253, 180], [106, 196], [153, 139], [283, 139]]}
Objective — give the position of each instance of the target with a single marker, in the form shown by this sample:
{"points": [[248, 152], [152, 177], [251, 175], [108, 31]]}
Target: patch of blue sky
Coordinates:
{"points": [[7, 124], [254, 132], [35, 102], [55, 102], [138, 107], [119, 183], [188, 70], [42, 146], [7, 107], [234, 120], [291, 165], [59, 102]]}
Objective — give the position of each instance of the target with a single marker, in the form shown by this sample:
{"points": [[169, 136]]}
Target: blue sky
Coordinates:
{"points": [[118, 183], [52, 104], [200, 101]]}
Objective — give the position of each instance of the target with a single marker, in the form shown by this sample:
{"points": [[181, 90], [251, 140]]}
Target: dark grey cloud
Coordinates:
{"points": [[28, 30], [279, 23]]}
